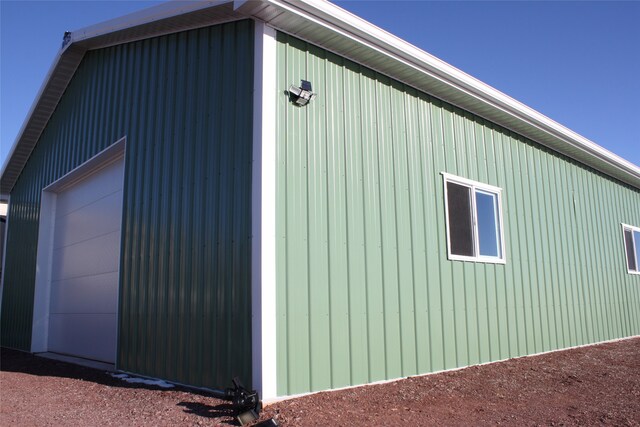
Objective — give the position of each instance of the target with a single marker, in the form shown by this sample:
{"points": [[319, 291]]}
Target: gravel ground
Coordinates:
{"points": [[596, 385]]}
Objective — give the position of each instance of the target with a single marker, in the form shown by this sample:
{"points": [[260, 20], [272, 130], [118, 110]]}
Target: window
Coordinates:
{"points": [[474, 220], [632, 248]]}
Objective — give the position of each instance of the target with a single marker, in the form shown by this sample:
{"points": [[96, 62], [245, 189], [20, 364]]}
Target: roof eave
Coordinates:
{"points": [[461, 89], [67, 60], [54, 85], [357, 40]]}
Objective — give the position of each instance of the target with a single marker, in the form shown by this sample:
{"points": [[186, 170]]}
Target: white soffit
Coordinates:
{"points": [[334, 29]]}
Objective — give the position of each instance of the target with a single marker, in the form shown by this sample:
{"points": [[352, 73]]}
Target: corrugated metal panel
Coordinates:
{"points": [[365, 291], [184, 103], [52, 90], [337, 31]]}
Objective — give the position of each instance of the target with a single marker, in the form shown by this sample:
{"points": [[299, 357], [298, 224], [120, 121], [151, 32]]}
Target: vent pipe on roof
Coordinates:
{"points": [[66, 38]]}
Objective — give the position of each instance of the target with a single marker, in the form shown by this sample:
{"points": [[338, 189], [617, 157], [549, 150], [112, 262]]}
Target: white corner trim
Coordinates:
{"points": [[263, 222], [4, 250]]}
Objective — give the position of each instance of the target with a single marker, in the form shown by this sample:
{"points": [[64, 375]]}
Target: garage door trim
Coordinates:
{"points": [[42, 295]]}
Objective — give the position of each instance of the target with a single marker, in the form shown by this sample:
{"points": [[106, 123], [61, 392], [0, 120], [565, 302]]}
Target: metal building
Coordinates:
{"points": [[175, 211]]}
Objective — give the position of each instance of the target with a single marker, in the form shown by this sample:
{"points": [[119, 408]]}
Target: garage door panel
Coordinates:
{"points": [[90, 221], [88, 294], [85, 257], [90, 257], [92, 336], [104, 182]]}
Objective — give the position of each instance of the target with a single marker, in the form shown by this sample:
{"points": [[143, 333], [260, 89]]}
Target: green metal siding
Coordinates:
{"points": [[184, 102], [365, 291], [17, 300]]}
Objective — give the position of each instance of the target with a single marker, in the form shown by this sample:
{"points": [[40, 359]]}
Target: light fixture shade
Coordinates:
{"points": [[301, 95], [294, 90], [306, 85]]}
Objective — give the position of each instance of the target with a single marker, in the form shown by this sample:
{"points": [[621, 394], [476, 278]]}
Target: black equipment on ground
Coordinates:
{"points": [[245, 402]]}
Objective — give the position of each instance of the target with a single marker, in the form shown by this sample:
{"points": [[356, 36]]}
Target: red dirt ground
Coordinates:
{"points": [[596, 385]]}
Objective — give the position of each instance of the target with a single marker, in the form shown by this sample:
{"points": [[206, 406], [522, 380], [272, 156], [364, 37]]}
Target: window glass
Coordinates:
{"points": [[636, 240], [628, 242], [473, 220], [488, 228], [460, 223]]}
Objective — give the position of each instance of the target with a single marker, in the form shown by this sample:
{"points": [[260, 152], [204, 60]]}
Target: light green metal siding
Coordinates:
{"points": [[365, 291], [184, 102]]}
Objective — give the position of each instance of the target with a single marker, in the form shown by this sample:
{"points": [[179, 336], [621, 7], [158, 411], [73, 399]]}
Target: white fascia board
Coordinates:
{"points": [[34, 105], [339, 21], [144, 16], [86, 34], [355, 28]]}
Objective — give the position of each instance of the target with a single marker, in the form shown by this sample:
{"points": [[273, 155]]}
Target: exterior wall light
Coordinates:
{"points": [[302, 95]]}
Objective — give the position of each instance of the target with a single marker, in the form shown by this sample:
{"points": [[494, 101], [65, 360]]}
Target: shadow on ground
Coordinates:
{"points": [[138, 403], [26, 363], [209, 411]]}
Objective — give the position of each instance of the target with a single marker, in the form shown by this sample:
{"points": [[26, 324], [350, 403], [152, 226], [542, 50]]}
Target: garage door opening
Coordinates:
{"points": [[78, 261]]}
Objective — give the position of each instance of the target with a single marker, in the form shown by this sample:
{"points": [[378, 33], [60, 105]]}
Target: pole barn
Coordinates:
{"points": [[281, 191]]}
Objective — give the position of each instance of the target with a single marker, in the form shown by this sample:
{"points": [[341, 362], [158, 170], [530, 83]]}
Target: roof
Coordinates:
{"points": [[326, 25]]}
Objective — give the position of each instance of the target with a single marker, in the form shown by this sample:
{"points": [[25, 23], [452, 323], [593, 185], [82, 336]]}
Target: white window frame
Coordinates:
{"points": [[626, 255], [483, 188]]}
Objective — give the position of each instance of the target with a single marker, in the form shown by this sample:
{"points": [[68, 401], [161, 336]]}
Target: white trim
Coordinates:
{"points": [[4, 250], [34, 106], [41, 296], [256, 213], [350, 26], [471, 183], [633, 227], [633, 241], [263, 259], [428, 374], [41, 293], [143, 17], [483, 188], [420, 69], [101, 160]]}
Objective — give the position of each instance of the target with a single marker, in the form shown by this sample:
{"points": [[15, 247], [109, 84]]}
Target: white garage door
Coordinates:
{"points": [[85, 264]]}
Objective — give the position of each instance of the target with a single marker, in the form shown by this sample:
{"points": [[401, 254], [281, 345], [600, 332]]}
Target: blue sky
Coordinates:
{"points": [[576, 62]]}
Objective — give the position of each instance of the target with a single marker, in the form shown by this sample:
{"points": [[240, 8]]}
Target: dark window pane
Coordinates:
{"points": [[460, 228], [628, 242], [636, 239], [488, 232]]}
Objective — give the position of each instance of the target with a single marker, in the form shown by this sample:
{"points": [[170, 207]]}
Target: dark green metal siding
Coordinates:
{"points": [[184, 102], [365, 291], [17, 299]]}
